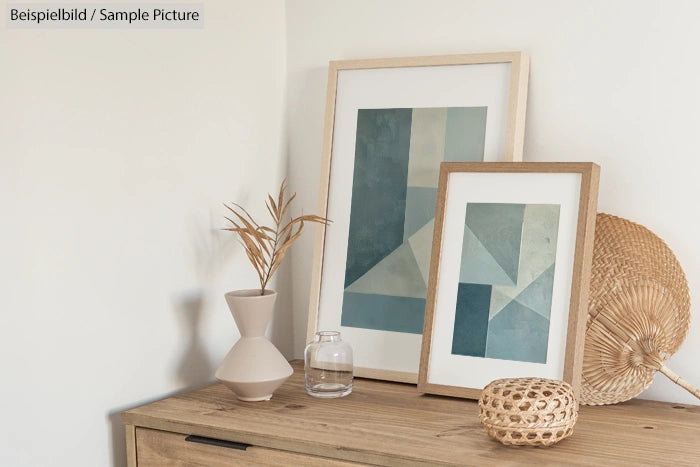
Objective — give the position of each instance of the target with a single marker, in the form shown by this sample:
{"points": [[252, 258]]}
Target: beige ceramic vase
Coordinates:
{"points": [[253, 369]]}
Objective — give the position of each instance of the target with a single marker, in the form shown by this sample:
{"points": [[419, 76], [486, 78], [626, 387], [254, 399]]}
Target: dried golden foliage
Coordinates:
{"points": [[266, 246]]}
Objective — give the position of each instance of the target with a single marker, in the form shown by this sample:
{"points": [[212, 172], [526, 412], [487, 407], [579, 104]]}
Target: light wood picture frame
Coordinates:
{"points": [[389, 123], [509, 275]]}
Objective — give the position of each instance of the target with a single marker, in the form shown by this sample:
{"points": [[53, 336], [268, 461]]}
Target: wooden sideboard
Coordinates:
{"points": [[387, 423]]}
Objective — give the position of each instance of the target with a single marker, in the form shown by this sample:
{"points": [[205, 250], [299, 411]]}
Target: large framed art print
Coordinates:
{"points": [[389, 125], [509, 276]]}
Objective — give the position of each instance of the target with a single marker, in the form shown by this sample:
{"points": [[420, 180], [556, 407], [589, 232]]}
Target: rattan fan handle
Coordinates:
{"points": [[680, 381], [655, 362]]}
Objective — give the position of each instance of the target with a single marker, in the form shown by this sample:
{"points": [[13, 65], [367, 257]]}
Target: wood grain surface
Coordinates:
{"points": [[164, 448], [389, 423]]}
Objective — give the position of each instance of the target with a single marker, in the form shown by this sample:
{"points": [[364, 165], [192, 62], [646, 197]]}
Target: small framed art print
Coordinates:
{"points": [[509, 275], [389, 124]]}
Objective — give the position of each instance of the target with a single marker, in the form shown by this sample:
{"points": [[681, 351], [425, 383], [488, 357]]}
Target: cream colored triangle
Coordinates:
{"points": [[422, 243], [500, 297]]}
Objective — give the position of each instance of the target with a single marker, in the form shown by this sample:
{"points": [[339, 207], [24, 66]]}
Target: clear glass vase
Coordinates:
{"points": [[328, 366]]}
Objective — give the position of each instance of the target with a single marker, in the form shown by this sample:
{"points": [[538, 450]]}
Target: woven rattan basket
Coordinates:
{"points": [[638, 313], [528, 411]]}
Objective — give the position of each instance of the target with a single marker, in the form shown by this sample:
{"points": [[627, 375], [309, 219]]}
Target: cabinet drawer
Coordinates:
{"points": [[159, 448]]}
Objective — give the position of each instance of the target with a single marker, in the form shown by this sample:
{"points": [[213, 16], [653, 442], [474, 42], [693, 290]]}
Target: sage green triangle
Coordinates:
{"points": [[478, 266], [538, 295], [397, 275], [498, 226], [420, 209]]}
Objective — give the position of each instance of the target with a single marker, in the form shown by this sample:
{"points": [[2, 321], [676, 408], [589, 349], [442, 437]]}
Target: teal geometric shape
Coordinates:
{"points": [[382, 143], [471, 320], [537, 254], [383, 312], [538, 295], [422, 243], [478, 265], [498, 226], [420, 209], [518, 333], [465, 134], [398, 275]]}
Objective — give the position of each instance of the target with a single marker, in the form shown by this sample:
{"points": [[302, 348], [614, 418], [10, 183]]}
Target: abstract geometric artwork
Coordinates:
{"points": [[394, 191], [506, 280], [509, 274]]}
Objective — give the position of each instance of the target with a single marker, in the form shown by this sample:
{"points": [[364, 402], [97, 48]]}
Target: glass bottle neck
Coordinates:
{"points": [[327, 336]]}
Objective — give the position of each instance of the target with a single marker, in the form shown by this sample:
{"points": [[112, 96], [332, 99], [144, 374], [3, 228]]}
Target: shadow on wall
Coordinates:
{"points": [[194, 370], [211, 251], [195, 365], [282, 325]]}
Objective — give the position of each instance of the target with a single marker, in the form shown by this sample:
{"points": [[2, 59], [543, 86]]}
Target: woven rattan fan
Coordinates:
{"points": [[638, 313]]}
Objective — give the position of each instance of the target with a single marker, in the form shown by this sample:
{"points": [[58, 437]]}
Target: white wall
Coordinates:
{"points": [[117, 148], [610, 82]]}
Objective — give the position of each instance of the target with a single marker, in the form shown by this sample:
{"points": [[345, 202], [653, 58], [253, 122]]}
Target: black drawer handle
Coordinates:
{"points": [[217, 442]]}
